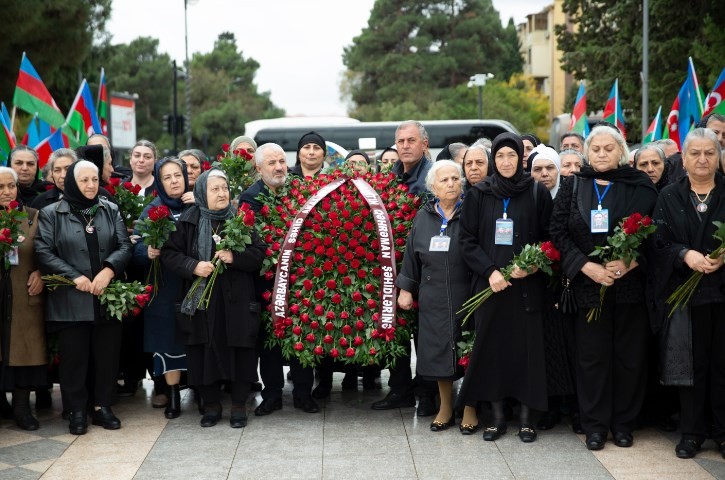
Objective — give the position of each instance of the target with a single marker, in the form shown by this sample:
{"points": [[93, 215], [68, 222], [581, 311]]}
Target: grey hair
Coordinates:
{"points": [[571, 151], [571, 134], [486, 142], [22, 148], [10, 171], [174, 161], [650, 146], [616, 135], [431, 175], [61, 152], [413, 123], [193, 152], [477, 146], [100, 135], [147, 144], [664, 142], [259, 153], [455, 149], [715, 116], [80, 165], [218, 173], [704, 133]]}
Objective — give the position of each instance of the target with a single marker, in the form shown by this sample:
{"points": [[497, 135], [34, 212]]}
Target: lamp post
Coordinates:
{"points": [[479, 80]]}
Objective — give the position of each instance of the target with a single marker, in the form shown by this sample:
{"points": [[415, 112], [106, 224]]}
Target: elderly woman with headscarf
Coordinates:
{"points": [[501, 214], [611, 352], [22, 328], [545, 168], [530, 142], [221, 341], [475, 164], [84, 239], [169, 357]]}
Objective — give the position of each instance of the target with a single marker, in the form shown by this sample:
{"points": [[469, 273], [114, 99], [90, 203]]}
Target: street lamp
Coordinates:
{"points": [[479, 80]]}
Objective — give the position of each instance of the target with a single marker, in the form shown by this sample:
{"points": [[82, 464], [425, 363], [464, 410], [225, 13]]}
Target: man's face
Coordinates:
{"points": [[572, 143], [26, 166], [142, 161], [544, 171], [273, 169], [410, 145], [60, 168], [719, 128]]}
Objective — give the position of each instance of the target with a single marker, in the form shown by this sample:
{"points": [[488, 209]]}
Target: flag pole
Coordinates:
{"points": [[12, 119]]}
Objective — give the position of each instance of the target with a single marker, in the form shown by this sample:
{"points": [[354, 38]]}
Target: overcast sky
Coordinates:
{"points": [[297, 43]]}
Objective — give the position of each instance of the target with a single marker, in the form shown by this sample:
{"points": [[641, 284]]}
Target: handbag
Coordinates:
{"points": [[676, 362], [567, 302]]}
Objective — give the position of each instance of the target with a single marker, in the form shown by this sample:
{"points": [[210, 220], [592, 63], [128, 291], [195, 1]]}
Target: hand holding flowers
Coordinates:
{"points": [[155, 231]]}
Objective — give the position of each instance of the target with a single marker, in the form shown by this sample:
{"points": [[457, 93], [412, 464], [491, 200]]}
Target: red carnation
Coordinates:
{"points": [[359, 325], [267, 295], [320, 294], [350, 352], [307, 284], [331, 284], [310, 338], [334, 353], [357, 341], [356, 296], [295, 309], [343, 342], [314, 325], [319, 310], [373, 351], [646, 221], [329, 326], [347, 281], [346, 329], [305, 318], [328, 339], [297, 330], [225, 147], [342, 269], [330, 315], [299, 346], [344, 315], [318, 350], [372, 304], [361, 273], [336, 299]]}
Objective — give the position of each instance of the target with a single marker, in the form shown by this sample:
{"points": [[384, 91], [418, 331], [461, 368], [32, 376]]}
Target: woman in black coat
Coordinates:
{"points": [[433, 270], [221, 341], [682, 243], [501, 214], [611, 351], [83, 238]]}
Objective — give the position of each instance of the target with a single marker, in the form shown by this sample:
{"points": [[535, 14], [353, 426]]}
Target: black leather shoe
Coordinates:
{"points": [[687, 448], [78, 422], [173, 408], [596, 441], [494, 433], [268, 406], [104, 417], [306, 404], [623, 439], [426, 406], [527, 434], [27, 422], [467, 429], [321, 391], [576, 424], [394, 400], [238, 419], [548, 420], [440, 426], [210, 418]]}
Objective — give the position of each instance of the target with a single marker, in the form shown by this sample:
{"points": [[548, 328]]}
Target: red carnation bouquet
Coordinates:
{"points": [[130, 204], [334, 272], [239, 167], [464, 348], [155, 231], [682, 294], [235, 236], [540, 255], [623, 245], [10, 220]]}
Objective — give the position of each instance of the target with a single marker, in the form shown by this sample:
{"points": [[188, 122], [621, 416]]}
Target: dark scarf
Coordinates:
{"points": [[73, 195], [623, 174], [498, 185], [173, 203]]}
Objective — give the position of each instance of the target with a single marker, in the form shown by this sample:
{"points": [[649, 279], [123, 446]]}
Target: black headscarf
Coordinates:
{"points": [[445, 153], [623, 174], [172, 203], [73, 195], [498, 185], [531, 138], [358, 152], [311, 137], [92, 153]]}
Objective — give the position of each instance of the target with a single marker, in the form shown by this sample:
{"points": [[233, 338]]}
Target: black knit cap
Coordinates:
{"points": [[311, 137], [512, 141]]}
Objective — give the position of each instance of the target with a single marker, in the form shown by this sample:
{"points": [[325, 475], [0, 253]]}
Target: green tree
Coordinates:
{"points": [[411, 49], [606, 43]]}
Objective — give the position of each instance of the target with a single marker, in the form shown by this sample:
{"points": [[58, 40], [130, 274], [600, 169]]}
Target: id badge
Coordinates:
{"points": [[600, 221], [440, 244], [13, 257], [504, 234]]}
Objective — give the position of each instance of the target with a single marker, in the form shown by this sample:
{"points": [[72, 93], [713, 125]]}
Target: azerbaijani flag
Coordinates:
{"points": [[7, 139], [654, 132], [49, 145], [37, 131], [713, 102], [579, 123], [696, 105], [679, 119], [5, 114], [82, 120], [102, 105], [32, 96], [613, 108]]}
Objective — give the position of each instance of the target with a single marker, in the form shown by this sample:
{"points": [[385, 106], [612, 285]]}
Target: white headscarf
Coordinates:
{"points": [[547, 153]]}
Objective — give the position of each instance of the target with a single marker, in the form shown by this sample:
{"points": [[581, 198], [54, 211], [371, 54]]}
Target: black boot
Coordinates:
{"points": [[21, 410], [6, 411], [173, 408]]}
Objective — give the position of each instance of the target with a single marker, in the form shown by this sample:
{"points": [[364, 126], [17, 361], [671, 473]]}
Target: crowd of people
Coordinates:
{"points": [[535, 351]]}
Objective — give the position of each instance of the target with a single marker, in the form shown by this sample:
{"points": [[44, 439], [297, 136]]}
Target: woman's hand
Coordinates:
{"points": [[203, 269], [619, 269], [225, 256], [153, 253], [83, 284], [497, 282], [188, 198], [101, 281], [520, 273], [712, 264], [599, 274], [405, 300], [35, 283]]}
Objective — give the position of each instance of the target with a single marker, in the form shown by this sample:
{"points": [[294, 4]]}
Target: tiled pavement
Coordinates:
{"points": [[345, 440]]}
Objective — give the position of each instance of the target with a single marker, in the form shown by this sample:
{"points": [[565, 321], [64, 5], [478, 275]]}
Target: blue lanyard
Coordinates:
{"points": [[444, 223], [506, 206], [600, 197]]}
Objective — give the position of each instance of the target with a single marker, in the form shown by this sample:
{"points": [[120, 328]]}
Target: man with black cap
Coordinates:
{"points": [[411, 141], [311, 151]]}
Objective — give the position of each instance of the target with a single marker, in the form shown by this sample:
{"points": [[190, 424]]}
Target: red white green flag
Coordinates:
{"points": [[102, 104], [713, 102], [579, 123], [32, 96], [654, 132], [613, 108], [82, 120]]}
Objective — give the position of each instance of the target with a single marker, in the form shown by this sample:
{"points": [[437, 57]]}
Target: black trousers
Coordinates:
{"points": [[708, 349], [611, 369], [133, 360], [401, 379], [85, 346], [212, 394], [271, 364]]}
